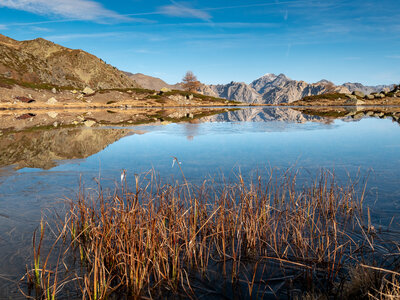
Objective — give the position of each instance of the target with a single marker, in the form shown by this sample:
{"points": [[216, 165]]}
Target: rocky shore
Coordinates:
{"points": [[356, 98], [19, 97]]}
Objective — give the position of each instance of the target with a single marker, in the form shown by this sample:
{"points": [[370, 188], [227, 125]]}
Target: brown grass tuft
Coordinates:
{"points": [[266, 238]]}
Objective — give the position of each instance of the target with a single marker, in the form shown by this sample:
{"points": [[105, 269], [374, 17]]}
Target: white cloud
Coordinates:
{"points": [[3, 27], [239, 25], [73, 9], [40, 29], [73, 36], [393, 56], [145, 51], [183, 11], [115, 35]]}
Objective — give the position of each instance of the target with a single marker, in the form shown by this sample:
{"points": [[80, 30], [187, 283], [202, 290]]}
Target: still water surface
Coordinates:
{"points": [[245, 141]]}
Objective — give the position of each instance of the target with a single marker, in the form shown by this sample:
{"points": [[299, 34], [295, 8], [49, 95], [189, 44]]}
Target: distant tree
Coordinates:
{"points": [[190, 82]]}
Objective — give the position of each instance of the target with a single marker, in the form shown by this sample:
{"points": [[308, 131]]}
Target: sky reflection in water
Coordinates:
{"points": [[207, 149]]}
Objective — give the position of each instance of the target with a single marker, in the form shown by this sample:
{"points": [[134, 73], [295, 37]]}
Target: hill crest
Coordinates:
{"points": [[42, 61]]}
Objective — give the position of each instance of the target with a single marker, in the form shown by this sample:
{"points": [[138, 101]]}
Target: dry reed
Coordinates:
{"points": [[266, 238]]}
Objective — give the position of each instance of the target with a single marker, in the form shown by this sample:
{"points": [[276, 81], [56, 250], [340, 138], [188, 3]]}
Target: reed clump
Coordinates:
{"points": [[264, 238]]}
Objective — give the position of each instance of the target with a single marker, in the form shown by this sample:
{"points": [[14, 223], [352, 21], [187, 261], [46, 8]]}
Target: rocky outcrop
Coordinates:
{"points": [[42, 62], [284, 90], [263, 82]]}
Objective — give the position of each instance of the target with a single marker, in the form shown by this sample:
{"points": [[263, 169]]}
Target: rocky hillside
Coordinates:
{"points": [[152, 83], [41, 62]]}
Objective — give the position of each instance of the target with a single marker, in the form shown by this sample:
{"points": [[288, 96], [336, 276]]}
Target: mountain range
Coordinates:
{"points": [[268, 89], [41, 62], [276, 89]]}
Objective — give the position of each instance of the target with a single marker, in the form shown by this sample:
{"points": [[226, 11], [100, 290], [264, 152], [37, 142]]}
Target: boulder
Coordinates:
{"points": [[165, 90], [89, 123], [52, 100], [354, 102], [25, 99], [178, 98], [352, 97], [88, 91], [358, 94], [358, 116], [52, 114], [381, 96], [54, 91], [370, 97]]}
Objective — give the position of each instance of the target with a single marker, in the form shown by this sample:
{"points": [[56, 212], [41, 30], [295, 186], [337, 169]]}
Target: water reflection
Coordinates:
{"points": [[43, 148], [208, 142], [280, 114], [352, 113]]}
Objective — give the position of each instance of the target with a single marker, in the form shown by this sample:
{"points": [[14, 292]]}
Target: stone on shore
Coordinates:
{"points": [[358, 94], [165, 90], [354, 102], [52, 100], [89, 123], [88, 91], [52, 114]]}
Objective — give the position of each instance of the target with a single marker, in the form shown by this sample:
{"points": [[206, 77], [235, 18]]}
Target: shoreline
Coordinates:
{"points": [[126, 106], [22, 98]]}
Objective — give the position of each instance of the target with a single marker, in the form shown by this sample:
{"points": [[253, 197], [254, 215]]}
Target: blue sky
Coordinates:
{"points": [[221, 41]]}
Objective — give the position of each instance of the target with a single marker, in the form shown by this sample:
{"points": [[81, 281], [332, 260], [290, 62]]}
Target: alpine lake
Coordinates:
{"points": [[46, 157]]}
